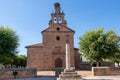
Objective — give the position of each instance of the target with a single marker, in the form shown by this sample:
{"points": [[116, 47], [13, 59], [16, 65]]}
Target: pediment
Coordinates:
{"points": [[58, 27]]}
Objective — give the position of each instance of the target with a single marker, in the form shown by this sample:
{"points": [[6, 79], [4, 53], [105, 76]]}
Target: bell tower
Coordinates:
{"points": [[57, 17]]}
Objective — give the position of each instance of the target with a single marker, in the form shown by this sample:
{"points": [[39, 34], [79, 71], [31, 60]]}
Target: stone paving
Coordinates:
{"points": [[86, 75], [85, 78], [39, 78], [102, 78]]}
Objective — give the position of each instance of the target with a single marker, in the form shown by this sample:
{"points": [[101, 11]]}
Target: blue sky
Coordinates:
{"points": [[29, 17]]}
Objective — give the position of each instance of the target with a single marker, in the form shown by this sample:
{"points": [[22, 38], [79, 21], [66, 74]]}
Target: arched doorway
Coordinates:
{"points": [[58, 62]]}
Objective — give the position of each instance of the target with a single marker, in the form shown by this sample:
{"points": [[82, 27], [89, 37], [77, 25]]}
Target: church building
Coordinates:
{"points": [[50, 54]]}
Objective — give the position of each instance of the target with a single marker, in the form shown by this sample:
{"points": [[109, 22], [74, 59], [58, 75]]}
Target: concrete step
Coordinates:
{"points": [[69, 73]]}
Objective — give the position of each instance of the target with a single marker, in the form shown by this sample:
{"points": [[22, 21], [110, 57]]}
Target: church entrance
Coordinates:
{"points": [[58, 63]]}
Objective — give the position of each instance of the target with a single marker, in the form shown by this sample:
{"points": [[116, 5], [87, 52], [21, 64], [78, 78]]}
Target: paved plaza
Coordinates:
{"points": [[86, 75]]}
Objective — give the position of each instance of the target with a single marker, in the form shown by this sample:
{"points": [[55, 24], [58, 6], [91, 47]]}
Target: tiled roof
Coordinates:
{"points": [[35, 45]]}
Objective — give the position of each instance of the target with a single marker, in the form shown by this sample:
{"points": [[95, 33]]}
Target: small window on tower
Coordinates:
{"points": [[58, 29], [60, 20], [55, 20], [57, 38]]}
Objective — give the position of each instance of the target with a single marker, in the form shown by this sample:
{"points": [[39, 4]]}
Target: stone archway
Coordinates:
{"points": [[58, 63]]}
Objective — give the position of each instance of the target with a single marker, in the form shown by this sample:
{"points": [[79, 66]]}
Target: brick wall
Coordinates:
{"points": [[21, 73]]}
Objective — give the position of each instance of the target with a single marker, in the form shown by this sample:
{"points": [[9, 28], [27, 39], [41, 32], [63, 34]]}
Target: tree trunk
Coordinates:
{"points": [[118, 64], [97, 64]]}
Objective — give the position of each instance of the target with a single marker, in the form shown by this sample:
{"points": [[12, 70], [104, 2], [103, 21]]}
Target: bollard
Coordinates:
{"points": [[15, 74]]}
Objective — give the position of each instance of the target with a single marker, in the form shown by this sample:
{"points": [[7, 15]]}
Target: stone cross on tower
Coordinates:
{"points": [[57, 8]]}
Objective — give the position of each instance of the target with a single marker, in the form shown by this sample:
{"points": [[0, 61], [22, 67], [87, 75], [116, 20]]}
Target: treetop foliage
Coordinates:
{"points": [[8, 40], [97, 45], [8, 44]]}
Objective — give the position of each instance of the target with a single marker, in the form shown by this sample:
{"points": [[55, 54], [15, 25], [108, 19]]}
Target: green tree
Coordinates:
{"points": [[98, 45], [20, 60], [7, 59], [116, 58], [8, 44]]}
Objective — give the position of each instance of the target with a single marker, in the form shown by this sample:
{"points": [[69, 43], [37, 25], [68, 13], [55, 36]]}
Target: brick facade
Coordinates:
{"points": [[51, 52]]}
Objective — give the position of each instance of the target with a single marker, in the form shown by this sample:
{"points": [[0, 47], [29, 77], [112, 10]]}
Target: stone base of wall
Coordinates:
{"points": [[85, 66], [21, 73], [105, 71], [88, 65]]}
